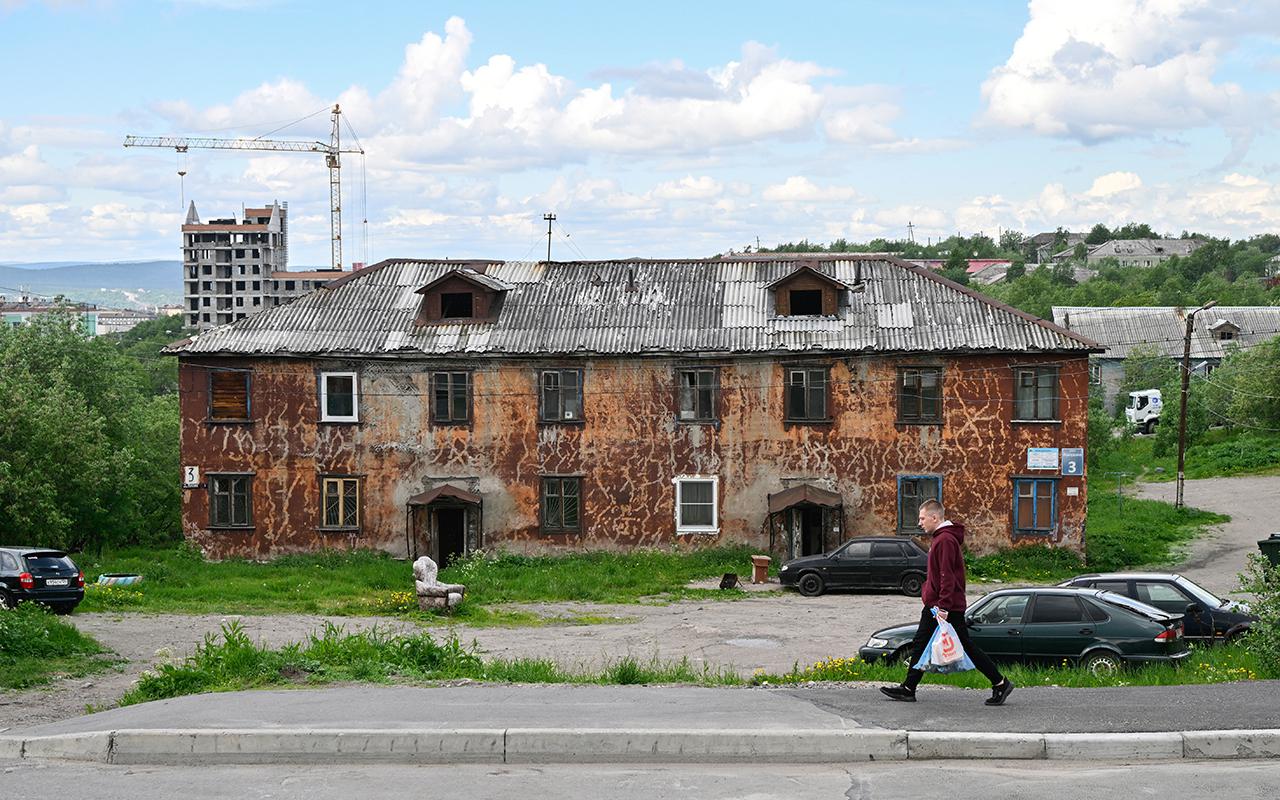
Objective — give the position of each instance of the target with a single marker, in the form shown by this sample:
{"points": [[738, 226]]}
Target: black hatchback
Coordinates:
{"points": [[865, 562], [46, 576], [1100, 631], [1209, 619]]}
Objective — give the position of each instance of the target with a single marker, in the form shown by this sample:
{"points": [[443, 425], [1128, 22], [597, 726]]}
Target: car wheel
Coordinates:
{"points": [[62, 609], [911, 585], [1102, 664], [901, 656], [810, 584], [5, 600]]}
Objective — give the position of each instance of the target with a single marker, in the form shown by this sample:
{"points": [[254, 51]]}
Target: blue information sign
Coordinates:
{"points": [[1073, 461]]}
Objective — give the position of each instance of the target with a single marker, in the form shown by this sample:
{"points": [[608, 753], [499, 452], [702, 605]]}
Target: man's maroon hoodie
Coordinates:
{"points": [[944, 582]]}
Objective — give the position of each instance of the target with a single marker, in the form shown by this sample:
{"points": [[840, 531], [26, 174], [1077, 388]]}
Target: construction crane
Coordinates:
{"points": [[332, 152]]}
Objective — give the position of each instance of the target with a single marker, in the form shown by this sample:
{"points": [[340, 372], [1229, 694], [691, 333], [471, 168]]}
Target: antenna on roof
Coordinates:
{"points": [[550, 218]]}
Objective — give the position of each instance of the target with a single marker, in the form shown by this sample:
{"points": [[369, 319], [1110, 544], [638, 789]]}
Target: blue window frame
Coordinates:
{"points": [[912, 491], [1035, 505]]}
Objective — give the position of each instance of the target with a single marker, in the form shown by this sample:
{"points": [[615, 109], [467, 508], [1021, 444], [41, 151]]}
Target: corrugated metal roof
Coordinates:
{"points": [[635, 306], [1163, 328]]}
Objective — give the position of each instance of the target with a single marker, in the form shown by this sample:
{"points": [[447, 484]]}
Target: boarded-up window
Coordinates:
{"points": [[341, 502], [229, 394], [230, 501]]}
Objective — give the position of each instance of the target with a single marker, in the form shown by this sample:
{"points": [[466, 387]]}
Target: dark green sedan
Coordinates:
{"points": [[1098, 630]]}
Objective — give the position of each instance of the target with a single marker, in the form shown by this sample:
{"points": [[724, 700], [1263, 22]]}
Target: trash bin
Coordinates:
{"points": [[760, 569], [1270, 548]]}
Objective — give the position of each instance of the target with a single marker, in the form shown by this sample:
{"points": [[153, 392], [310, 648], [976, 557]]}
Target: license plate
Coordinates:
{"points": [[56, 582]]}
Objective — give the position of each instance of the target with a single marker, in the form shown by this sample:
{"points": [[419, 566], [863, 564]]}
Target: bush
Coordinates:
{"points": [[1263, 640]]}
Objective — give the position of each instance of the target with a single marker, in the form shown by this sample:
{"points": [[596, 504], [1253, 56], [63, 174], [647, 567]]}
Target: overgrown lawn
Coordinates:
{"points": [[36, 646], [178, 580]]}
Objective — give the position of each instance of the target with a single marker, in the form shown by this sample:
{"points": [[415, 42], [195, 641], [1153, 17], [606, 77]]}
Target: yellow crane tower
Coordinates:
{"points": [[332, 154]]}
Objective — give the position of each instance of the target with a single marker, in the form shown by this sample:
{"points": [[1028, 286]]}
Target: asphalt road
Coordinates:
{"points": [[1239, 780], [1253, 705], [1253, 503]]}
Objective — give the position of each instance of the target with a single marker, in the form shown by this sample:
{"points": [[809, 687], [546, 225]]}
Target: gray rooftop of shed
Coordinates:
{"points": [[1163, 328], [639, 307]]}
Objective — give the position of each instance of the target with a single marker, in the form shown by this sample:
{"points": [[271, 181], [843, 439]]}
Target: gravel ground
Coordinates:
{"points": [[769, 630]]}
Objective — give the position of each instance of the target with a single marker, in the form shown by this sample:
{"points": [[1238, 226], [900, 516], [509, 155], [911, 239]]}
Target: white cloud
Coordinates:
{"points": [[703, 187], [799, 189], [1114, 183], [1093, 70]]}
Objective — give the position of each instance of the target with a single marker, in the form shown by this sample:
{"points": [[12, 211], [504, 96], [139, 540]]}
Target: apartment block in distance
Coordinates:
{"points": [[235, 268]]}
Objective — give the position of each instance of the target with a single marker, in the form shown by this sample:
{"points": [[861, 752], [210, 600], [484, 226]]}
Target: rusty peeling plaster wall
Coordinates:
{"points": [[627, 451]]}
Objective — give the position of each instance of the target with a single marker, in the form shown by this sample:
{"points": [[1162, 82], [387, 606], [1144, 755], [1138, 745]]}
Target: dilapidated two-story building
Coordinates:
{"points": [[436, 407]]}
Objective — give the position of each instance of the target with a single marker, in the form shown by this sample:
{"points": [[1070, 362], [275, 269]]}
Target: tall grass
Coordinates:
{"points": [[1223, 664], [35, 645], [231, 662]]}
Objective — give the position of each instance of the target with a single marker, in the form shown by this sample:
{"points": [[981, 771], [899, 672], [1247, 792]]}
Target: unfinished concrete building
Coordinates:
{"points": [[233, 268]]}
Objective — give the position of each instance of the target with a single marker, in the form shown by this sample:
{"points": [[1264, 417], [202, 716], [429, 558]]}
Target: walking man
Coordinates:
{"points": [[944, 588]]}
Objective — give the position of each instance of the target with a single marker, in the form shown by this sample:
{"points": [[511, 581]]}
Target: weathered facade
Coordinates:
{"points": [[623, 404]]}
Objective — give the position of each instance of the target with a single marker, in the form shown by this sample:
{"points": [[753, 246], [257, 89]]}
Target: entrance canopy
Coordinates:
{"points": [[444, 491], [804, 494]]}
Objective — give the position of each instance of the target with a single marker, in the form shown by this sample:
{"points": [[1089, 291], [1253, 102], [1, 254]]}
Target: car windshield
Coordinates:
{"points": [[1206, 597], [47, 562], [1130, 604]]}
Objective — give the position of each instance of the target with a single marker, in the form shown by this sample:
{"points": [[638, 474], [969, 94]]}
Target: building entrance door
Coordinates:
{"points": [[450, 533]]}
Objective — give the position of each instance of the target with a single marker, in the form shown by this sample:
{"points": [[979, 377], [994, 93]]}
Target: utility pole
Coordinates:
{"points": [[1182, 414], [550, 218], [911, 232]]}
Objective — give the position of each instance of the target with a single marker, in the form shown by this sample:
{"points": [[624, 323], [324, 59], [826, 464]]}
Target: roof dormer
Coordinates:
{"points": [[806, 292], [1224, 330], [462, 295]]}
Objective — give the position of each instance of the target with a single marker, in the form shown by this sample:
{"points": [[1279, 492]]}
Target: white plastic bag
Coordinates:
{"points": [[944, 653]]}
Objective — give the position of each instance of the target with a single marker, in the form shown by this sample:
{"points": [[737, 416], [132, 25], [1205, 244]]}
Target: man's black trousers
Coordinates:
{"points": [[927, 626]]}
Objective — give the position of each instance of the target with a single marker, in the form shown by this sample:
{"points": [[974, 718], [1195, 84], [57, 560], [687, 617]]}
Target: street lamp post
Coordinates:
{"points": [[1182, 413]]}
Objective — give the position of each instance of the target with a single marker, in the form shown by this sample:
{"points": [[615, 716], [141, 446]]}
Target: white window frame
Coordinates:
{"points": [[325, 416], [714, 480]]}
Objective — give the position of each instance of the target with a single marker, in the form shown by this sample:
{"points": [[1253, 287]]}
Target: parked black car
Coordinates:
{"points": [[40, 574], [865, 562], [1208, 619], [1098, 630]]}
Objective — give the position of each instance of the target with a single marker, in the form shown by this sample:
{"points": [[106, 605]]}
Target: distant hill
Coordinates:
{"points": [[121, 284]]}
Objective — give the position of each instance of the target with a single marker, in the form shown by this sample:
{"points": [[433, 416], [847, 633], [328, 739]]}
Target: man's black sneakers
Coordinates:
{"points": [[899, 693], [999, 693]]}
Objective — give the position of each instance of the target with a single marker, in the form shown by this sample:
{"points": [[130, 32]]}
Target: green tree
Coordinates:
{"points": [[1098, 234], [1135, 230], [1011, 242], [87, 456], [957, 266]]}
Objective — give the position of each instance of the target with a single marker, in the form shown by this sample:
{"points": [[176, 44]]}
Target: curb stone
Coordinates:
{"points": [[634, 746]]}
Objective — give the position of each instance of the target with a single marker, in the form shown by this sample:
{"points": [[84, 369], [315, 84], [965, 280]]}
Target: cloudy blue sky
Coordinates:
{"points": [[654, 129]]}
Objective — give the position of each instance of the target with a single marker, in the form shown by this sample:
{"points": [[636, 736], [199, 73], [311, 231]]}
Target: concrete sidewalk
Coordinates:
{"points": [[613, 724]]}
